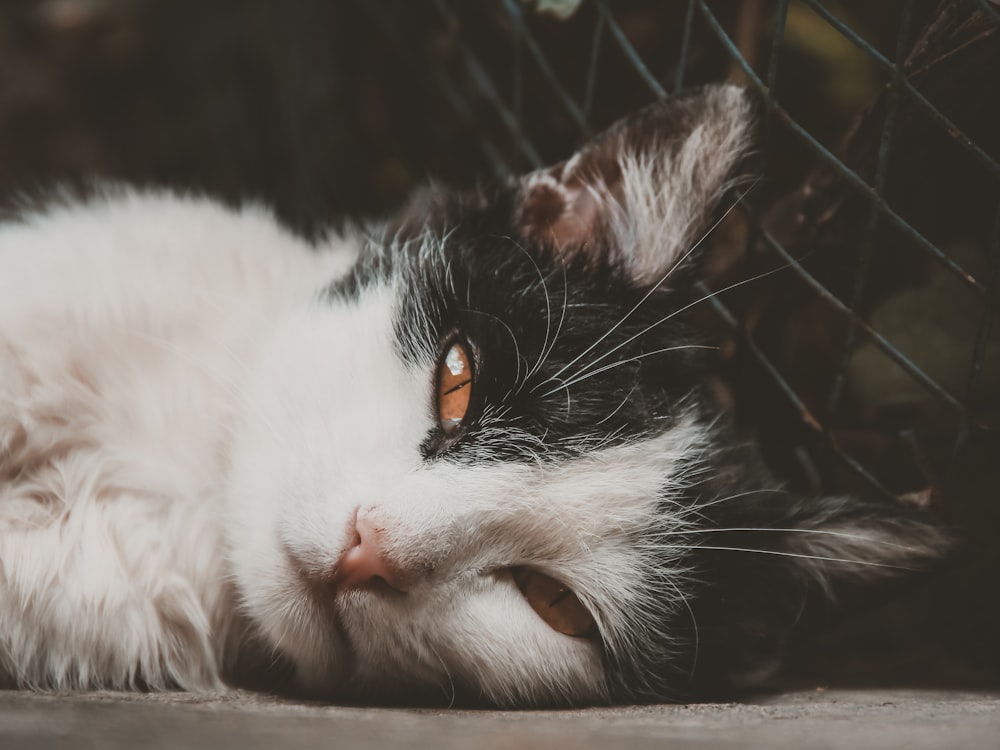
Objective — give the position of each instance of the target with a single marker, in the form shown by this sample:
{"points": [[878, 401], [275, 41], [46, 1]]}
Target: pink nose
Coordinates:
{"points": [[363, 564]]}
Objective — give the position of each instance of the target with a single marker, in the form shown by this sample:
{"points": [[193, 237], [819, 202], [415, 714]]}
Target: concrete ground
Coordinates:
{"points": [[816, 719]]}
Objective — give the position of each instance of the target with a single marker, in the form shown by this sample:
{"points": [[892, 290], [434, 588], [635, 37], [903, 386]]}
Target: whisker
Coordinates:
{"points": [[447, 673], [548, 304], [619, 407], [694, 624], [619, 363], [658, 284], [840, 534], [513, 338], [737, 496], [820, 558], [562, 318], [677, 312]]}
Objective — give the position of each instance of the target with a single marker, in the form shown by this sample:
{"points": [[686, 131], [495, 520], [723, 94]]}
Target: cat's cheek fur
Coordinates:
{"points": [[474, 637], [458, 528]]}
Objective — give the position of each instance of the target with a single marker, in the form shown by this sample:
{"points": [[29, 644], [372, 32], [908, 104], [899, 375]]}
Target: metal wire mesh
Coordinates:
{"points": [[845, 189]]}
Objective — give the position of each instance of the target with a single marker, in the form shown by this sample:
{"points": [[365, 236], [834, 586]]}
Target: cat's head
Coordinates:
{"points": [[485, 462]]}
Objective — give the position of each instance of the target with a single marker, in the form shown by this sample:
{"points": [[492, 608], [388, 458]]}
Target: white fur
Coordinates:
{"points": [[180, 419], [123, 326]]}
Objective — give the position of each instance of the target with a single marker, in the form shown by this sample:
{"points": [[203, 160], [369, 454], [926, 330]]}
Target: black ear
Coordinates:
{"points": [[775, 566], [838, 542], [432, 208], [642, 191]]}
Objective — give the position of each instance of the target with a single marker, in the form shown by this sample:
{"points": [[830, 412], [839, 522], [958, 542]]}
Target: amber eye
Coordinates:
{"points": [[454, 387], [555, 603]]}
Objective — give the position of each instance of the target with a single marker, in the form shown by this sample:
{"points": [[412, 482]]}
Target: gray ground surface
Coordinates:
{"points": [[828, 719]]}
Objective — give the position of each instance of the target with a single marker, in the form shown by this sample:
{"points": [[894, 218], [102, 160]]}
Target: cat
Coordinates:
{"points": [[471, 452]]}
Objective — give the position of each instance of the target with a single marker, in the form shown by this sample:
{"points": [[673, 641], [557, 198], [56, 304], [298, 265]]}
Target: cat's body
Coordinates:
{"points": [[220, 446], [126, 324]]}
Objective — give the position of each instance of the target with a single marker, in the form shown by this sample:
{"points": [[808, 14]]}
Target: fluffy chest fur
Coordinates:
{"points": [[470, 451]]}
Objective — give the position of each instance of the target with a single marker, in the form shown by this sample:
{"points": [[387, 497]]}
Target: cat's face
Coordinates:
{"points": [[480, 462]]}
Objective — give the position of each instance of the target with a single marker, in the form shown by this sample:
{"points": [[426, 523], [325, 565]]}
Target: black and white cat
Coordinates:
{"points": [[473, 451]]}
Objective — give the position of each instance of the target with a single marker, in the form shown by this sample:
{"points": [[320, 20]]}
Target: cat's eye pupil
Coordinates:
{"points": [[560, 596], [454, 387]]}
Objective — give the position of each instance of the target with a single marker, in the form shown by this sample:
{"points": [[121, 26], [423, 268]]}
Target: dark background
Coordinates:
{"points": [[334, 110]]}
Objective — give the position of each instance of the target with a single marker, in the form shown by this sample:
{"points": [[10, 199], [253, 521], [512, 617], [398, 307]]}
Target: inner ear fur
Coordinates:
{"points": [[639, 193]]}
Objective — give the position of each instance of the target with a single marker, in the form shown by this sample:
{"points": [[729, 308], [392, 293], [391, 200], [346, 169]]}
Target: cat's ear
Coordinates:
{"points": [[429, 209], [783, 567], [640, 193], [841, 541]]}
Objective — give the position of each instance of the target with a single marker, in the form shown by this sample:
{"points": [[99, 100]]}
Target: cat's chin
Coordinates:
{"points": [[316, 645]]}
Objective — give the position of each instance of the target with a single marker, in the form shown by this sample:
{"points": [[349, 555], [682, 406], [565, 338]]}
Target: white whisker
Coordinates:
{"points": [[619, 363], [548, 305], [677, 312], [824, 532], [562, 318], [447, 673], [513, 338], [619, 407], [694, 623], [737, 496], [819, 558], [673, 268]]}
